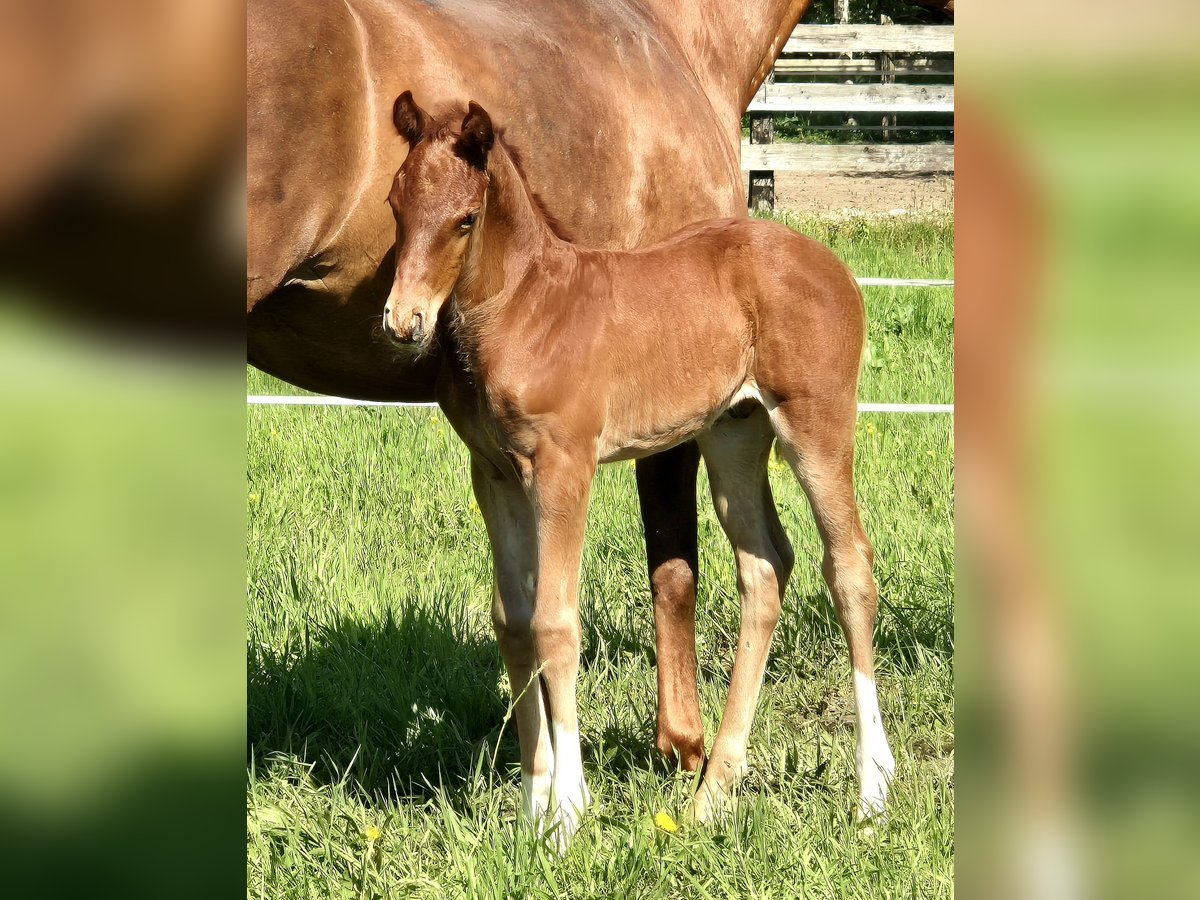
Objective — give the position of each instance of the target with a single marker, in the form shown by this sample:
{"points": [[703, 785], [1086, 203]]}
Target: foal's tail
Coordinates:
{"points": [[865, 356]]}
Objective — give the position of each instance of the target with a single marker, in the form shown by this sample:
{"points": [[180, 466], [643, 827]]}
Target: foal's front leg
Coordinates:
{"points": [[510, 524], [560, 483]]}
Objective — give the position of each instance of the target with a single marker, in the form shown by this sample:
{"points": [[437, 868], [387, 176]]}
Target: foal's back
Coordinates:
{"points": [[729, 306]]}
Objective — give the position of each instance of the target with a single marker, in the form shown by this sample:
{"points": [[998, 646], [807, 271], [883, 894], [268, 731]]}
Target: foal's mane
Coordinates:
{"points": [[559, 230]]}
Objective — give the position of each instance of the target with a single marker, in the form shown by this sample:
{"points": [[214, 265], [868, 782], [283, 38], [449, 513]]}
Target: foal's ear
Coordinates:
{"points": [[410, 120], [477, 136]]}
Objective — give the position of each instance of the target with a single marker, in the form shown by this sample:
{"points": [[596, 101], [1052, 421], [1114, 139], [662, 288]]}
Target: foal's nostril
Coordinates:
{"points": [[418, 324]]}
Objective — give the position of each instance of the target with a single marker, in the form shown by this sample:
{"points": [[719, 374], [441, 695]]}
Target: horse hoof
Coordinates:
{"points": [[709, 805], [562, 828], [563, 821], [875, 778], [687, 750]]}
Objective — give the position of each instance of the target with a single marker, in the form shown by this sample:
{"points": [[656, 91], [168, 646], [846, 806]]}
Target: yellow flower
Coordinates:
{"points": [[871, 429], [255, 497], [372, 833], [664, 821]]}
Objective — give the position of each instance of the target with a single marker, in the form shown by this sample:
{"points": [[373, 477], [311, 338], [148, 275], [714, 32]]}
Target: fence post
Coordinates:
{"points": [[841, 9], [762, 182], [886, 66]]}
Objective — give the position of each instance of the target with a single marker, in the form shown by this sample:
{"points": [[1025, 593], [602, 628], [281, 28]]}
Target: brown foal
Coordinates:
{"points": [[579, 357]]}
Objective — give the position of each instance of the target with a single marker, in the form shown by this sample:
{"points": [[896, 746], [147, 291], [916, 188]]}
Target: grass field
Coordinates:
{"points": [[380, 763]]}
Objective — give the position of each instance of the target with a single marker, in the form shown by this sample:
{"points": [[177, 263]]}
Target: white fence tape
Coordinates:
{"points": [[905, 282], [286, 400], [906, 408]]}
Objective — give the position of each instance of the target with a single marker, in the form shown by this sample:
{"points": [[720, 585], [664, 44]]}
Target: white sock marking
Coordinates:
{"points": [[571, 795], [535, 795], [873, 760], [569, 785]]}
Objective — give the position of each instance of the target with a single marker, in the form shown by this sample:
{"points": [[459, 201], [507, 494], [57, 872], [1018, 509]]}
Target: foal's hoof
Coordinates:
{"points": [[870, 819], [875, 779], [869, 814], [685, 749], [710, 804], [561, 829], [715, 796], [566, 817]]}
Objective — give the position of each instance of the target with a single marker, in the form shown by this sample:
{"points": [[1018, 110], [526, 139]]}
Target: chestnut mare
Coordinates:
{"points": [[580, 356], [634, 107]]}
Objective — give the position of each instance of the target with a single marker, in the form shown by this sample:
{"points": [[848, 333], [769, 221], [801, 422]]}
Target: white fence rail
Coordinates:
{"points": [[306, 400], [907, 408]]}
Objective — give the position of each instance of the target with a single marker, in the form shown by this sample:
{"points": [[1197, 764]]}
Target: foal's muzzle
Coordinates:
{"points": [[412, 331]]}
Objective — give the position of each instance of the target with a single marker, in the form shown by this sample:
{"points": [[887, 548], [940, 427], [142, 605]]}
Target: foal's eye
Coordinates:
{"points": [[467, 221]]}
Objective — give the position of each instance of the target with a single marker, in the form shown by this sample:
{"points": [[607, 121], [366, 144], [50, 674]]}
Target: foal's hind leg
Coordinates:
{"points": [[817, 438], [735, 452]]}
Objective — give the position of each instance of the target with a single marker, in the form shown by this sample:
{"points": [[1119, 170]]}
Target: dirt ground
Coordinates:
{"points": [[870, 194]]}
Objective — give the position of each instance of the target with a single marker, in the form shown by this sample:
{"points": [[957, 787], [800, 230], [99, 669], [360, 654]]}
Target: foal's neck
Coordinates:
{"points": [[513, 237]]}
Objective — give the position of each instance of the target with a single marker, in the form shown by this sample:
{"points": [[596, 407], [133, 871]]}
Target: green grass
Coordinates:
{"points": [[377, 696]]}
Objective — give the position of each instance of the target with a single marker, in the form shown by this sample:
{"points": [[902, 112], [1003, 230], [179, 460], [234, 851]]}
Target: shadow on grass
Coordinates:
{"points": [[396, 706], [403, 705]]}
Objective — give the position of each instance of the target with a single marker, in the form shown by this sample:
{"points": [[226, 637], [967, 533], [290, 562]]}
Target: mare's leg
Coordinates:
{"points": [[509, 519], [667, 492], [560, 483], [735, 453], [817, 437]]}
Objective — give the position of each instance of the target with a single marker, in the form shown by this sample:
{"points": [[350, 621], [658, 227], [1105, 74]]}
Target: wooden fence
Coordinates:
{"points": [[821, 51]]}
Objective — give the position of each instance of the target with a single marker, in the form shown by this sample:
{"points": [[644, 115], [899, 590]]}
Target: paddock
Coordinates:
{"points": [[383, 760]]}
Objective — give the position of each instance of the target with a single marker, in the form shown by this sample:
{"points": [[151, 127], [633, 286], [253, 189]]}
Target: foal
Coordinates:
{"points": [[580, 357]]}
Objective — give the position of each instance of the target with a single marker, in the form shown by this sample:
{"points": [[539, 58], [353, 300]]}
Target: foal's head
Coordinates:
{"points": [[437, 199]]}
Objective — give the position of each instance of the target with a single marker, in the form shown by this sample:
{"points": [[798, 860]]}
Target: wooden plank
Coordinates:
{"points": [[920, 65], [851, 159], [890, 98], [871, 39], [860, 127]]}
